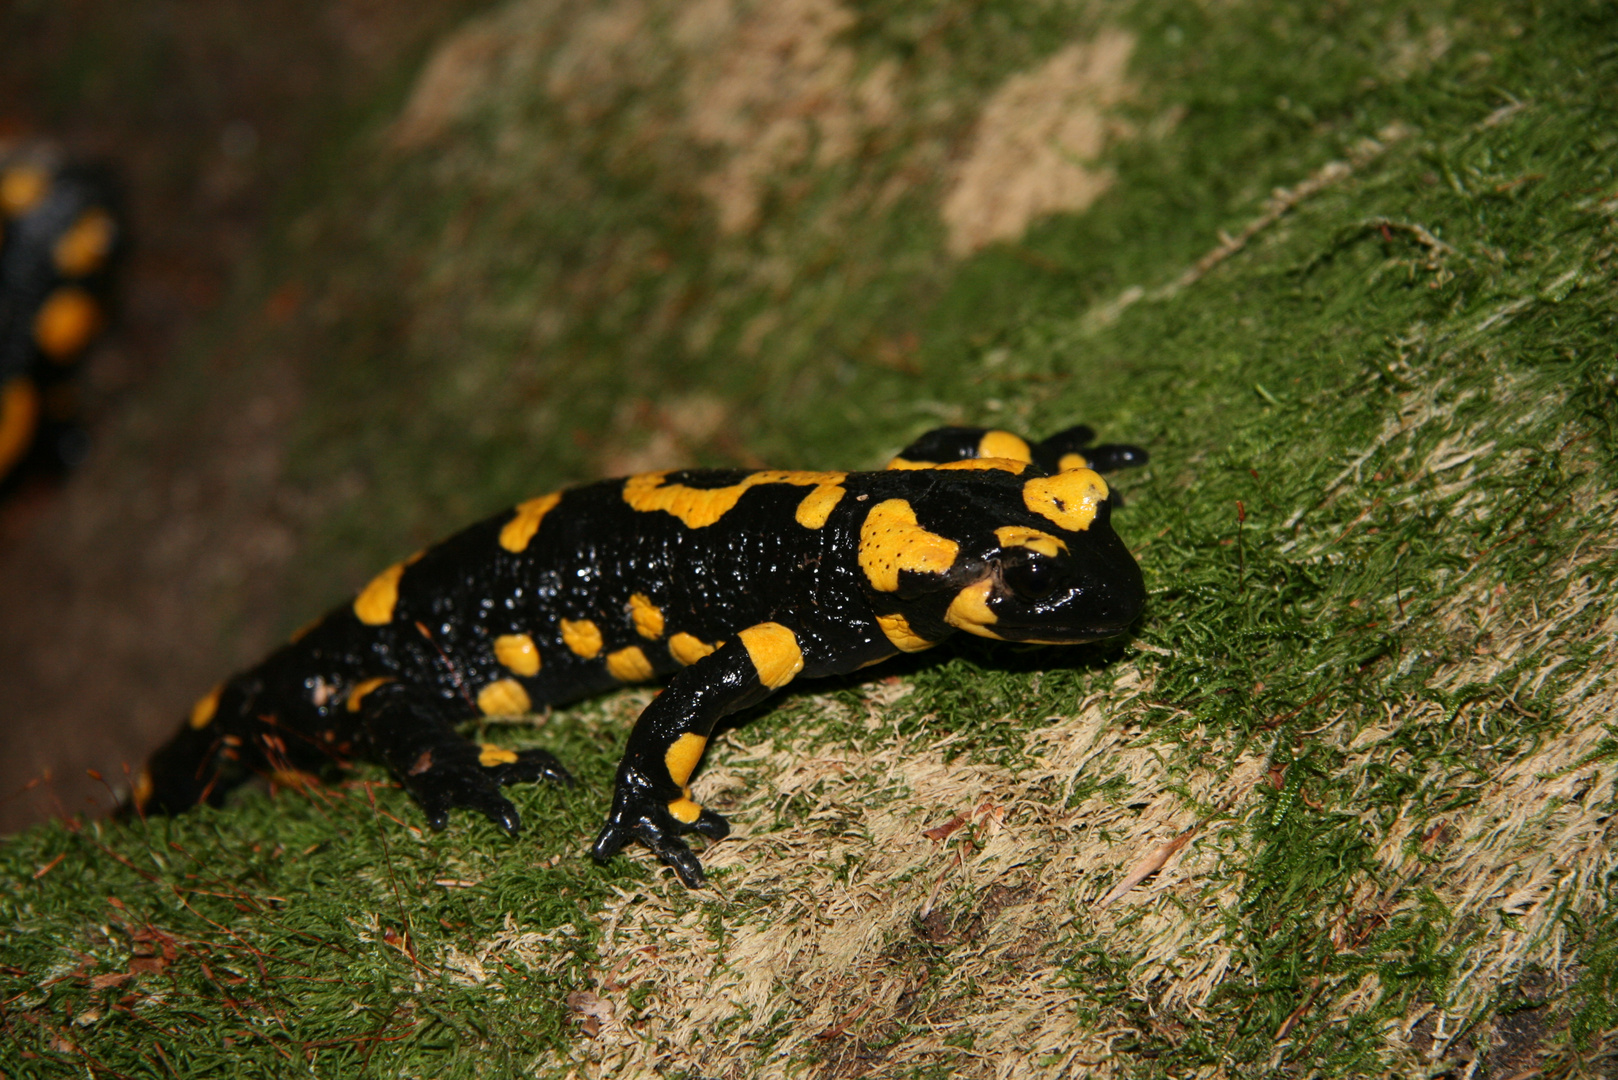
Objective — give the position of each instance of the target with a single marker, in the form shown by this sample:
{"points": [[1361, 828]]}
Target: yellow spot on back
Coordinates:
{"points": [[86, 245], [1069, 462], [1068, 498], [66, 322], [897, 629], [357, 695], [817, 506], [1003, 444], [22, 188], [701, 507], [684, 810], [629, 665], [682, 756], [1032, 539], [969, 610], [688, 648], [904, 463], [774, 651], [202, 713], [19, 419], [582, 637], [517, 653], [375, 603], [491, 755], [1010, 465], [504, 697], [647, 616], [517, 532], [141, 794], [892, 540]]}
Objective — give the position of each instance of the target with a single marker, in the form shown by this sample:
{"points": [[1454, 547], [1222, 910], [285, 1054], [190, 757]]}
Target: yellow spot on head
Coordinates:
{"points": [[582, 637], [375, 603], [23, 188], [688, 648], [1003, 444], [701, 507], [504, 697], [898, 631], [1069, 462], [904, 463], [141, 794], [682, 756], [1010, 465], [66, 322], [684, 810], [491, 755], [969, 610], [629, 665], [892, 540], [357, 695], [202, 713], [774, 651], [1069, 498], [525, 523], [19, 419], [517, 653], [647, 616], [86, 245], [1032, 539], [817, 506]]}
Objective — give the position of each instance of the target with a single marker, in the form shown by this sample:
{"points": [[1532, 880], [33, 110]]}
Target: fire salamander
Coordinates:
{"points": [[728, 584]]}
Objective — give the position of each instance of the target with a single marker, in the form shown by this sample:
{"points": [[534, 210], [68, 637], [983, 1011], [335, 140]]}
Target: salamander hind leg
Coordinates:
{"points": [[412, 731]]}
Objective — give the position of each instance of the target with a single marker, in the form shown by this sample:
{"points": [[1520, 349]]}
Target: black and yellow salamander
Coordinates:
{"points": [[728, 584]]}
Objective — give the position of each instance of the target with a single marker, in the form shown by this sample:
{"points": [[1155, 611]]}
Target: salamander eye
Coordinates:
{"points": [[1031, 579]]}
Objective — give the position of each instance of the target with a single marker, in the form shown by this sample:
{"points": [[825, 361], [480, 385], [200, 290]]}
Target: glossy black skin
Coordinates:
{"points": [[755, 565]]}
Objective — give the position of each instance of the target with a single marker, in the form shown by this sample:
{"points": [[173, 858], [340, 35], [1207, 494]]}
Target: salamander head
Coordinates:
{"points": [[1006, 556]]}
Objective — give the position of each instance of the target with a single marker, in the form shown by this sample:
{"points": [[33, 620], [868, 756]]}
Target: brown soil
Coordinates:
{"points": [[153, 570]]}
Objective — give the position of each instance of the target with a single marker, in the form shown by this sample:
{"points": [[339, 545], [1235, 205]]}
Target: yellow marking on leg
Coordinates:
{"points": [[1069, 462], [85, 245], [1068, 498], [1003, 444], [684, 810], [517, 653], [22, 188], [517, 532], [1032, 539], [629, 665], [687, 649], [357, 695], [375, 603], [66, 322], [905, 463], [969, 610], [892, 540], [202, 713], [701, 507], [141, 793], [817, 506], [682, 756], [647, 616], [897, 629], [774, 651], [504, 697], [582, 637], [491, 755], [1010, 465], [19, 419]]}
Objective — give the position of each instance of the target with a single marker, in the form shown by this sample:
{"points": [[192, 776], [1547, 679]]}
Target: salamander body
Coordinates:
{"points": [[727, 584]]}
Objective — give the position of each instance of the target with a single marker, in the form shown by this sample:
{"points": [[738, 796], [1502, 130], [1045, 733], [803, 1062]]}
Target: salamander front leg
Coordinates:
{"points": [[651, 799], [411, 730]]}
